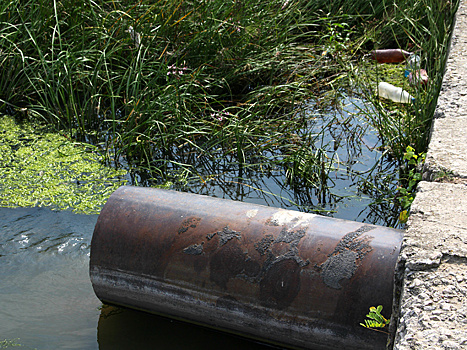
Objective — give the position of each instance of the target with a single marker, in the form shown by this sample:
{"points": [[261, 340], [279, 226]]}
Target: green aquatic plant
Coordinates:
{"points": [[40, 168], [423, 28], [165, 87]]}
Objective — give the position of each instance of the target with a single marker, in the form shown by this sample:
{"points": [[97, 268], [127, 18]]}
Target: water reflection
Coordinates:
{"points": [[120, 328], [344, 173], [46, 299], [41, 230]]}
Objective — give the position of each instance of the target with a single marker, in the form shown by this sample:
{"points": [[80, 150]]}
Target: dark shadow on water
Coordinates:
{"points": [[121, 329]]}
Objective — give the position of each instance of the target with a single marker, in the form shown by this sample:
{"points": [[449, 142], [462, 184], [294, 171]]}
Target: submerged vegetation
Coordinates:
{"points": [[184, 92]]}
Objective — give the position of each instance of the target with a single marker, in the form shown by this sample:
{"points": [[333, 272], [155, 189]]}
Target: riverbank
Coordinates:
{"points": [[433, 261]]}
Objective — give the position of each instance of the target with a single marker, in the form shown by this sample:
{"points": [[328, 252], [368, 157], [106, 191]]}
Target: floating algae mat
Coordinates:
{"points": [[39, 168]]}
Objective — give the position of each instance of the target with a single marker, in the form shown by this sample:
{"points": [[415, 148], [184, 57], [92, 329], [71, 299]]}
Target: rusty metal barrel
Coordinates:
{"points": [[285, 277]]}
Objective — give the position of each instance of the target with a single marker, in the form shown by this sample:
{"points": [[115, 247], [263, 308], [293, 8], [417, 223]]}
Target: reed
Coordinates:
{"points": [[157, 86]]}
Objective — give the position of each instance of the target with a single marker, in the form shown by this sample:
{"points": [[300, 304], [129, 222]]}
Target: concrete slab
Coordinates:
{"points": [[448, 143], [437, 225], [434, 308], [433, 262]]}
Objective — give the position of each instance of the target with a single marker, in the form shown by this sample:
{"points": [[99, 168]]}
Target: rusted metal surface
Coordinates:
{"points": [[290, 278], [390, 55]]}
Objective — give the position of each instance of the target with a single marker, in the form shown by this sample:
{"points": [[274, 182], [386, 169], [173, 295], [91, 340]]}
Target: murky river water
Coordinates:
{"points": [[47, 301]]}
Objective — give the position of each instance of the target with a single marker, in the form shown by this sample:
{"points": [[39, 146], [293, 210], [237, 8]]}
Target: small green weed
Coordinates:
{"points": [[406, 193], [376, 321]]}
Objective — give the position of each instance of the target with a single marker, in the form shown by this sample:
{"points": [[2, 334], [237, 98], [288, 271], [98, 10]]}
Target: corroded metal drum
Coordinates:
{"points": [[289, 278]]}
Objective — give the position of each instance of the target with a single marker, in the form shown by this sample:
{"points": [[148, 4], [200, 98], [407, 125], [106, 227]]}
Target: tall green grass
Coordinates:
{"points": [[162, 85], [423, 27]]}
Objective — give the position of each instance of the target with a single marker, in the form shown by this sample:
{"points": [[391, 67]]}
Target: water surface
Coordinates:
{"points": [[47, 300]]}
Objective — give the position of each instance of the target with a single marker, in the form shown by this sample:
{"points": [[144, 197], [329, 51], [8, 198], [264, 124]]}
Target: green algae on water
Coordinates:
{"points": [[39, 168]]}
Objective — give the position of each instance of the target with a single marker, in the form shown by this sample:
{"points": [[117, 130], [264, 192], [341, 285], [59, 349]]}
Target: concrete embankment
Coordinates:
{"points": [[433, 260]]}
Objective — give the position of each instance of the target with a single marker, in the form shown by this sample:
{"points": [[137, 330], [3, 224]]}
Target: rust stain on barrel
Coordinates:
{"points": [[280, 284], [188, 223]]}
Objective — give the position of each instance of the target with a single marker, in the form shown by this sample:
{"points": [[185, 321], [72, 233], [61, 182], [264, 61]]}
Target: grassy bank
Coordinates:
{"points": [[168, 87]]}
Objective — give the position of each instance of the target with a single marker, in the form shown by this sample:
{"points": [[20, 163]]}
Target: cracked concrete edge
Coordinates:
{"points": [[449, 129], [433, 307], [431, 275], [433, 254]]}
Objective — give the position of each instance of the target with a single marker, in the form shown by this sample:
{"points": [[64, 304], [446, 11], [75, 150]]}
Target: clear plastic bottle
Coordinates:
{"points": [[393, 93], [413, 62]]}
